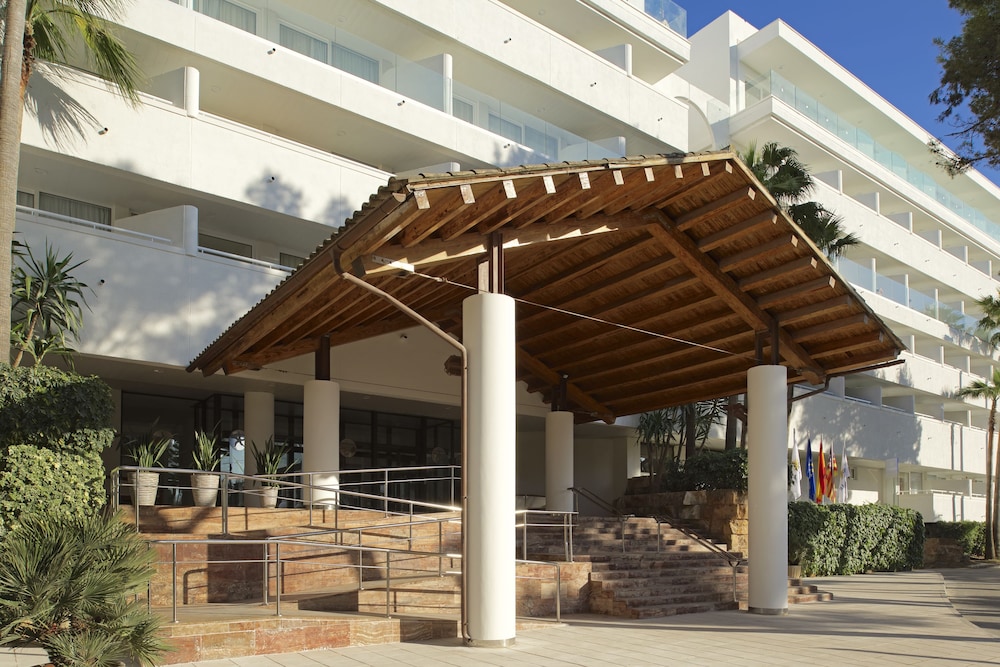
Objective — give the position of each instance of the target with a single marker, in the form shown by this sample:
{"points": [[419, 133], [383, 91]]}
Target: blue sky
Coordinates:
{"points": [[888, 44]]}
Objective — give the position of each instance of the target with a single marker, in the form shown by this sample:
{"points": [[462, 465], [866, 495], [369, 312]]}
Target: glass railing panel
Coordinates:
{"points": [[924, 303], [548, 142], [773, 84], [855, 273], [890, 288], [669, 13]]}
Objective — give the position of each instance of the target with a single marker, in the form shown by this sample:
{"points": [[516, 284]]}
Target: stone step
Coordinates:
{"points": [[676, 591]]}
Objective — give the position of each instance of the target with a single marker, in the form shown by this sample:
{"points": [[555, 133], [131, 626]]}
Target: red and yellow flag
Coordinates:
{"points": [[821, 475]]}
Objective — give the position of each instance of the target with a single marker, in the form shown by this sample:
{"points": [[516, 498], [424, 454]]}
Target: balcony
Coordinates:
{"points": [[157, 296], [774, 85]]}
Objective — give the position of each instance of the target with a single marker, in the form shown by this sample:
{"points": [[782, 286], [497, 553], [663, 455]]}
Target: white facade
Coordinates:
{"points": [[265, 124]]}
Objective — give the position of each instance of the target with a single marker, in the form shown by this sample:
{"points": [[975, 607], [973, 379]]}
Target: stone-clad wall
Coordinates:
{"points": [[721, 515]]}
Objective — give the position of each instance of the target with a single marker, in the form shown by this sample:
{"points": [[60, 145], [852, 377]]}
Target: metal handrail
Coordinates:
{"points": [[579, 491], [274, 480], [277, 560], [566, 524]]}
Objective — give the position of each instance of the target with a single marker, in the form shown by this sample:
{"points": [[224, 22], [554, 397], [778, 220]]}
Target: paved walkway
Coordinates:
{"points": [[879, 619]]}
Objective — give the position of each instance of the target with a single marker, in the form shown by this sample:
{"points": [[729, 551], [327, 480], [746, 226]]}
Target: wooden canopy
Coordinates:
{"points": [[646, 282]]}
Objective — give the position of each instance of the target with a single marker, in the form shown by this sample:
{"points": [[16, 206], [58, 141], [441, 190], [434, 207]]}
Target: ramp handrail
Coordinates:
{"points": [[277, 560]]}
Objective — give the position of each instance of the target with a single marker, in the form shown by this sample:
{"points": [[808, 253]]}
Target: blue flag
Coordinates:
{"points": [[809, 470]]}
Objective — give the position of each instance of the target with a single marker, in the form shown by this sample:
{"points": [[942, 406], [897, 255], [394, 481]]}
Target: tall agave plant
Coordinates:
{"points": [[48, 303]]}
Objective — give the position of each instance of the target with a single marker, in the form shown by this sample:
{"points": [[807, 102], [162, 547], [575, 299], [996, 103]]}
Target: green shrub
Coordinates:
{"points": [[708, 470], [53, 427], [971, 535], [71, 586], [848, 539], [50, 408]]}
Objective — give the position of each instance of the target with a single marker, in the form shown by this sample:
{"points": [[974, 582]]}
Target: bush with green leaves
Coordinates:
{"points": [[53, 427], [71, 586], [848, 539], [970, 535], [708, 470]]}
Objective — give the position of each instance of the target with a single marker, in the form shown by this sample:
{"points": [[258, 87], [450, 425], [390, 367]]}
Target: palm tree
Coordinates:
{"points": [[47, 306], [788, 180], [71, 586], [50, 31], [990, 391]]}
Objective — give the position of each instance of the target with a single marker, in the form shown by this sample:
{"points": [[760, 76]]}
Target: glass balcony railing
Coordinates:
{"points": [[669, 13], [773, 84], [895, 290], [352, 54]]}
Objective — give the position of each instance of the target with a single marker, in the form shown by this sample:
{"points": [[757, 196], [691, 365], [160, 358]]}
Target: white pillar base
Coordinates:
{"points": [[767, 475], [321, 442], [488, 334]]}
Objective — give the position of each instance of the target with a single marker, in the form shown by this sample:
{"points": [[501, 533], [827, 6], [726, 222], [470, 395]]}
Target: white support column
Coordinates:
{"points": [[559, 461], [258, 424], [321, 440], [488, 334], [767, 475]]}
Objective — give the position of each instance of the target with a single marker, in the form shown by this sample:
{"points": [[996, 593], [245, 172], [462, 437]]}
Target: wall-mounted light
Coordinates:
{"points": [[593, 84], [102, 131], [271, 51], [506, 145], [272, 178], [508, 40], [400, 103]]}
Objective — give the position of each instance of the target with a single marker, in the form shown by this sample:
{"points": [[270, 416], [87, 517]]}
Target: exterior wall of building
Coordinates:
{"points": [[272, 149]]}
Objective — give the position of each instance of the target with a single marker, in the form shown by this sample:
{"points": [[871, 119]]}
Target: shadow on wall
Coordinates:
{"points": [[270, 192], [62, 118], [868, 431]]}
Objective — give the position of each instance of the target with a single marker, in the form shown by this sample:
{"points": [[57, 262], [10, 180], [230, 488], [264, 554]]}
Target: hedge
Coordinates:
{"points": [[708, 470], [53, 427], [971, 535], [849, 539]]}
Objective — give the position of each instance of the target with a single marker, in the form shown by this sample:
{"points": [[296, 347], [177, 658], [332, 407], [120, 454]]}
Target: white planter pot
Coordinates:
{"points": [[205, 488], [144, 487], [268, 497]]}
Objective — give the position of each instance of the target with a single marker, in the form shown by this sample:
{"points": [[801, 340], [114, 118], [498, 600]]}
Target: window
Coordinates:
{"points": [[504, 128], [463, 110], [300, 42], [74, 208], [229, 12], [225, 245], [25, 199], [540, 141], [355, 63], [290, 260]]}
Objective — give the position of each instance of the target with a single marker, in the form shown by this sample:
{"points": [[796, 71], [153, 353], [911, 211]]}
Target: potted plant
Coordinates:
{"points": [[147, 453], [268, 460], [206, 457]]}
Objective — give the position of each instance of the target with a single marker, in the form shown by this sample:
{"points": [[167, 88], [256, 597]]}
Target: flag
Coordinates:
{"points": [[845, 473], [809, 469], [831, 477], [821, 475], [796, 469]]}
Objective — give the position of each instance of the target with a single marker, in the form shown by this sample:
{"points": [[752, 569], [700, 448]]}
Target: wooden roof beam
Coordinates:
{"points": [[783, 242], [723, 285], [715, 207], [716, 387], [827, 328], [783, 271], [774, 298], [733, 232], [804, 313], [491, 202], [573, 393]]}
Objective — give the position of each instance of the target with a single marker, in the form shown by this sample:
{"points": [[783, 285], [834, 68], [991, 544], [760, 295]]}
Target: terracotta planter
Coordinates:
{"points": [[205, 488], [144, 486]]}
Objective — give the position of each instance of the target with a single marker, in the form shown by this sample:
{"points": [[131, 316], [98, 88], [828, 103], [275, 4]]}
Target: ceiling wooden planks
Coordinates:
{"points": [[649, 281]]}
